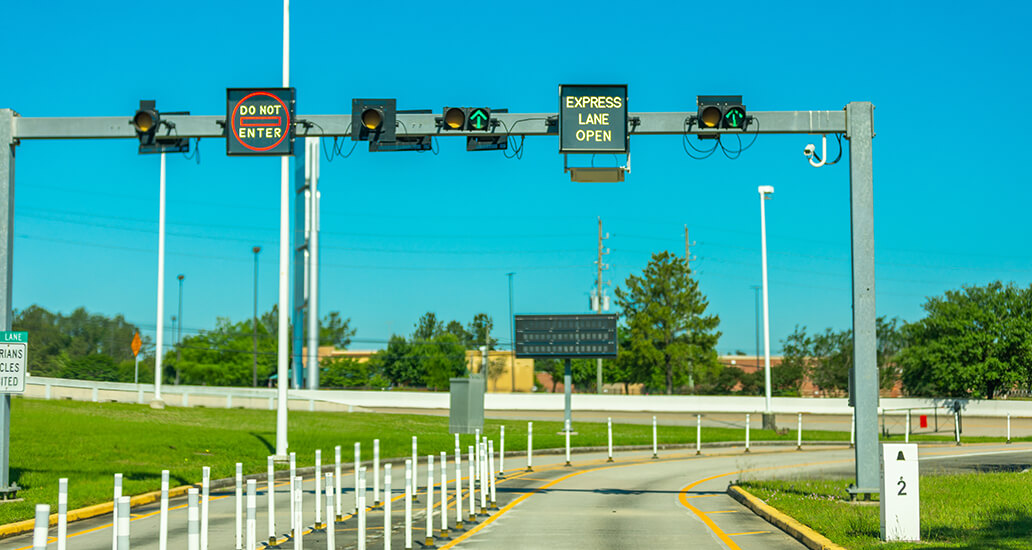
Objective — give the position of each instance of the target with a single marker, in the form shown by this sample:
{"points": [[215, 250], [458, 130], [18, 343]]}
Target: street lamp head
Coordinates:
{"points": [[180, 277], [256, 249], [765, 189]]}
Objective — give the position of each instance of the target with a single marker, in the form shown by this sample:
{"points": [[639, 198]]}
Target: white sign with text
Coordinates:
{"points": [[900, 496]]}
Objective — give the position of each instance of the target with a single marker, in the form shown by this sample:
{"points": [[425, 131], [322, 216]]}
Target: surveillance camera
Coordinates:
{"points": [[809, 150]]}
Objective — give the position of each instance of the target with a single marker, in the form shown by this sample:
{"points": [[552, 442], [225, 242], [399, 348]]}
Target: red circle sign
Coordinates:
{"points": [[260, 121]]}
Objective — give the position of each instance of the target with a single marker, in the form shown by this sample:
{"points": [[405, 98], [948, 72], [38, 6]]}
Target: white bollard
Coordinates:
{"points": [[458, 489], [430, 500], [336, 481], [1008, 428], [654, 453], [318, 489], [271, 471], [358, 466], [609, 430], [114, 511], [415, 470], [193, 529], [123, 523], [293, 490], [956, 426], [472, 487], [746, 433], [501, 454], [62, 513], [491, 472], [298, 513], [376, 472], [252, 514], [408, 504], [530, 446], [361, 508], [205, 492], [444, 495], [567, 432], [163, 527], [483, 477], [476, 467], [698, 434], [386, 507], [331, 535], [906, 437], [852, 430], [41, 527], [799, 433], [239, 506]]}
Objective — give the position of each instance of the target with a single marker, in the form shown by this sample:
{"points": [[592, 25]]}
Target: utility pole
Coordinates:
{"points": [[179, 327], [599, 302], [768, 415], [512, 336]]}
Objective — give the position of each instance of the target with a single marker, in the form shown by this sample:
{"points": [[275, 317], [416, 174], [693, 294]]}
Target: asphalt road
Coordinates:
{"points": [[634, 502]]}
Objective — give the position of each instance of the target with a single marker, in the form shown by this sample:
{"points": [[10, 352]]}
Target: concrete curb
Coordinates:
{"points": [[812, 539]]}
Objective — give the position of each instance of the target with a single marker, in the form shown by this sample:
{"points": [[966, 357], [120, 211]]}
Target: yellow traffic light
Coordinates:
{"points": [[372, 118], [710, 117], [455, 118]]}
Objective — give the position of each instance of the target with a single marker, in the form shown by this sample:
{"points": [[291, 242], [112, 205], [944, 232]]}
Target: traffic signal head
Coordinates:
{"points": [[454, 118], [146, 121], [373, 119], [721, 111], [466, 118]]}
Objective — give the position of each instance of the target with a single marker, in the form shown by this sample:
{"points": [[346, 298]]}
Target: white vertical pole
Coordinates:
{"points": [[376, 472], [298, 513], [530, 446], [654, 438], [476, 440], [609, 431], [764, 190], [62, 513], [159, 337], [293, 498], [331, 529], [491, 470], [408, 504], [1008, 428], [956, 426], [799, 432], [906, 437], [483, 477], [205, 492], [123, 523], [415, 469], [852, 429], [41, 527], [698, 434], [430, 500], [312, 167], [271, 472], [282, 359], [114, 512], [318, 488], [746, 433], [361, 508], [252, 514], [336, 481], [239, 505], [501, 454], [193, 530], [358, 466], [458, 489], [387, 531], [567, 432], [472, 487], [163, 527], [444, 495]]}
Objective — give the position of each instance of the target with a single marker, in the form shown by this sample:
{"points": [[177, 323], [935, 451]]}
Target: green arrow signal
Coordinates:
{"points": [[478, 117], [734, 117]]}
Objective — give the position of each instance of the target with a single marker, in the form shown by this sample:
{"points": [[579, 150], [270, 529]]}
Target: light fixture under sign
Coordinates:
{"points": [[592, 174]]}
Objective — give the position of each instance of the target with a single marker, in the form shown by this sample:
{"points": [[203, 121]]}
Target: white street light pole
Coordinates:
{"points": [[768, 416], [157, 403], [284, 267]]}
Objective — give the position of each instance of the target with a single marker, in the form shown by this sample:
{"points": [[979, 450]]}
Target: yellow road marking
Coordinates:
{"points": [[722, 511]]}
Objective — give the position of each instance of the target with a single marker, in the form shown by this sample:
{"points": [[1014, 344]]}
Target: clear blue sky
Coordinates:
{"points": [[409, 233]]}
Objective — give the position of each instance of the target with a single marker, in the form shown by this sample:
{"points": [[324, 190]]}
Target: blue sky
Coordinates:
{"points": [[409, 233]]}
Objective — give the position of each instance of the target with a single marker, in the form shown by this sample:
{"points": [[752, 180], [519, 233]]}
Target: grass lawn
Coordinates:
{"points": [[976, 511]]}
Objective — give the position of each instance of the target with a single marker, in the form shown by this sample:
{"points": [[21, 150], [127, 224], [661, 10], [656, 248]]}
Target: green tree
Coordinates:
{"points": [[671, 336], [335, 331], [974, 342], [787, 377], [440, 359], [427, 327], [224, 355], [480, 331], [347, 372], [455, 328], [398, 363]]}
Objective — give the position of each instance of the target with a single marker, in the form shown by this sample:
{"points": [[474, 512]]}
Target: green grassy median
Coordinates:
{"points": [[977, 511]]}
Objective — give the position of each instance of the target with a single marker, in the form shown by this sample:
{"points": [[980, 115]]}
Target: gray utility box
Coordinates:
{"points": [[467, 405]]}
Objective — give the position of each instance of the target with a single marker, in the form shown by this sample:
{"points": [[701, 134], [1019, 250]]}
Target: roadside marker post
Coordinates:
{"points": [[852, 430], [272, 500], [567, 432], [318, 489], [293, 490], [298, 513], [239, 505], [62, 513], [386, 508], [444, 495], [1008, 429], [491, 477], [906, 438], [163, 527], [376, 473], [123, 523], [429, 502], [40, 527], [361, 492], [956, 426], [252, 514], [476, 441], [205, 492], [415, 470], [530, 447], [483, 478], [114, 511], [900, 497], [473, 488], [193, 530], [358, 467], [698, 434], [331, 529], [458, 489], [799, 433], [501, 454], [654, 453], [609, 430], [336, 482], [408, 504], [746, 433]]}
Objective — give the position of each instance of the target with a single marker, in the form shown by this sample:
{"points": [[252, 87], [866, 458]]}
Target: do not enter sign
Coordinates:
{"points": [[260, 121]]}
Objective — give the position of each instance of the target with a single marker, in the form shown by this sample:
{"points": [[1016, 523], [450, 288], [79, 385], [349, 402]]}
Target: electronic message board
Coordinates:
{"points": [[565, 336], [593, 119], [260, 121]]}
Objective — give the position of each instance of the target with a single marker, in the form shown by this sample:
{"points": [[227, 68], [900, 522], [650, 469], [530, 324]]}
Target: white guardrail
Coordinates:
{"points": [[346, 400]]}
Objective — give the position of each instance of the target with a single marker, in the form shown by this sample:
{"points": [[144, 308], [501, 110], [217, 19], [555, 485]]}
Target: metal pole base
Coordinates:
{"points": [[472, 518], [747, 449], [654, 457], [458, 526], [318, 527], [429, 543], [568, 465], [529, 469], [697, 453], [157, 404], [444, 534], [340, 517], [610, 459], [769, 422], [494, 506], [799, 447], [272, 543], [1008, 442]]}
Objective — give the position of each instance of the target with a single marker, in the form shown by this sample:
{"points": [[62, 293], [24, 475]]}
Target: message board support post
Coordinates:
{"points": [[7, 144], [567, 391]]}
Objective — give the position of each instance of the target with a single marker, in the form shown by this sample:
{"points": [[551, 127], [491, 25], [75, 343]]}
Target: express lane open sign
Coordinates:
{"points": [[260, 121]]}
